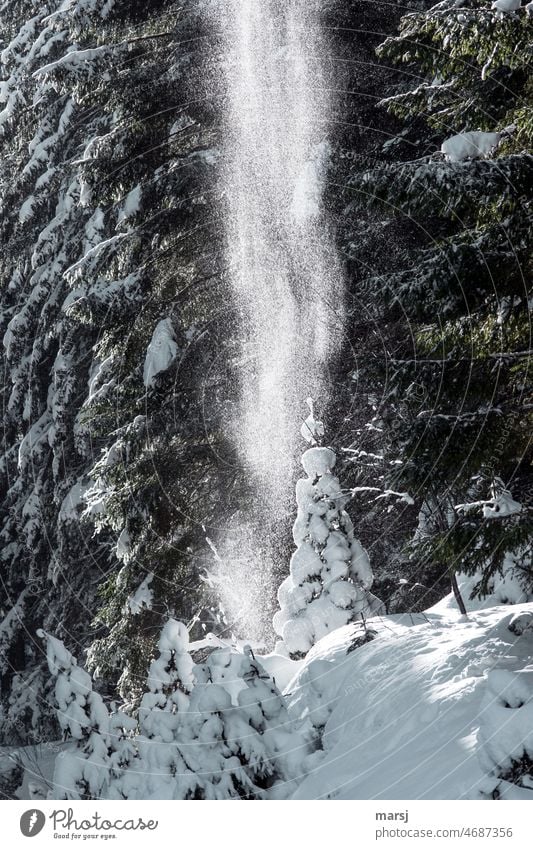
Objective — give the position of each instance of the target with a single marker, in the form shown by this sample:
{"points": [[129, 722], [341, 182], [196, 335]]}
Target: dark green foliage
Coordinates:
{"points": [[116, 239], [455, 407]]}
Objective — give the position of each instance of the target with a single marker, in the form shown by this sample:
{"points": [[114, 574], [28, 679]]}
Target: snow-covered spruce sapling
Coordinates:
{"points": [[160, 771], [241, 741], [330, 572], [123, 729], [473, 145], [82, 772], [312, 429], [211, 733], [84, 285], [285, 747]]}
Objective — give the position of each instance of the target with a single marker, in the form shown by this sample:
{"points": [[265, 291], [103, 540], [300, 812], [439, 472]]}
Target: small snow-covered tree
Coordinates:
{"points": [[218, 730], [241, 739], [263, 707], [123, 728], [159, 770], [330, 572], [82, 772], [205, 736]]}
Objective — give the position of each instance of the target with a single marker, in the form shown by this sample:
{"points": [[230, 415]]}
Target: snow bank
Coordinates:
{"points": [[429, 710]]}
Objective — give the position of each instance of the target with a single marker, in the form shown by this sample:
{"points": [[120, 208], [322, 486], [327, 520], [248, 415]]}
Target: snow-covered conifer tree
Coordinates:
{"points": [[123, 730], [159, 770], [453, 422], [241, 739], [103, 282], [82, 772], [330, 573]]}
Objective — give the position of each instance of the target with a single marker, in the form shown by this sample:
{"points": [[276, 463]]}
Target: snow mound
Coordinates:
{"points": [[438, 706]]}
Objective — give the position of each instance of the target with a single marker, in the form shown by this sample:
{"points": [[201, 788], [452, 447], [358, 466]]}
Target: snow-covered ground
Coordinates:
{"points": [[427, 710], [38, 762]]}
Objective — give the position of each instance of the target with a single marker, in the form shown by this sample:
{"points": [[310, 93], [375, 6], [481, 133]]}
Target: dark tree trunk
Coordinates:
{"points": [[457, 594]]}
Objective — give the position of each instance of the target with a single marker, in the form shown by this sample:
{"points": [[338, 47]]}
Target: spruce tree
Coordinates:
{"points": [[215, 730], [454, 414], [111, 467], [159, 769], [330, 573], [240, 737], [83, 771]]}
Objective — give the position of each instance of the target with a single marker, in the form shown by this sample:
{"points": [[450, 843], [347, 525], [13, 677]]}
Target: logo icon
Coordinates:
{"points": [[32, 822]]}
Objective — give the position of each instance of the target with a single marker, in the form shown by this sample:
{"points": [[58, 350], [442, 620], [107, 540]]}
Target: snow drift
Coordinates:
{"points": [[438, 706]]}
